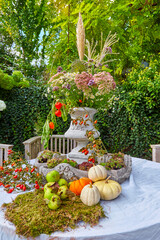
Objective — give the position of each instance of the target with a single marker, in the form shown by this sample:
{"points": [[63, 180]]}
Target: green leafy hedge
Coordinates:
{"points": [[133, 122], [23, 108], [25, 114]]}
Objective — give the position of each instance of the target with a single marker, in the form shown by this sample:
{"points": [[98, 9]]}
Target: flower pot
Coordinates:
{"points": [[122, 174], [77, 131], [66, 171], [70, 173]]}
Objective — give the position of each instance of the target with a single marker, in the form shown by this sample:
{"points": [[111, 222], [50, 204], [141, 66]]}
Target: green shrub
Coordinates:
{"points": [[133, 122], [17, 76], [16, 80]]}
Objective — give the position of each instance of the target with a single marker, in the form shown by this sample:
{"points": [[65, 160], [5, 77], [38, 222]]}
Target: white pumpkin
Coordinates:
{"points": [[97, 173], [90, 195], [108, 189]]}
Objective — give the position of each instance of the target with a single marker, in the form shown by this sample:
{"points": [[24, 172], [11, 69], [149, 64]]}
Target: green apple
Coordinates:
{"points": [[47, 185], [55, 202], [62, 192], [53, 176], [62, 182], [48, 194]]}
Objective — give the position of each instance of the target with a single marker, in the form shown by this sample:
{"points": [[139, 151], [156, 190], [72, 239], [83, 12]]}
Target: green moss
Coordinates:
{"points": [[32, 217]]}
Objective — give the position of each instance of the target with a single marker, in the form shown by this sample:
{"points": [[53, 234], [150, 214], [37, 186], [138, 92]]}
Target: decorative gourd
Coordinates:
{"points": [[108, 189], [78, 185], [90, 195], [97, 173]]}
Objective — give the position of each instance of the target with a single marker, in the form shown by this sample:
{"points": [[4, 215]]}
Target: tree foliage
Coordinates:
{"points": [[47, 29], [27, 23]]}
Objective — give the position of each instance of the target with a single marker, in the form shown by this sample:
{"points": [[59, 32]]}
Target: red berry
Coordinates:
{"points": [[15, 176], [10, 151], [21, 187], [58, 105], [24, 188], [16, 170], [58, 113], [20, 169], [10, 191], [37, 186], [32, 170], [51, 125], [80, 100], [86, 152], [86, 115]]}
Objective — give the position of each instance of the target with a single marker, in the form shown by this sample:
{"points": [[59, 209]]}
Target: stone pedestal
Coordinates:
{"points": [[81, 121]]}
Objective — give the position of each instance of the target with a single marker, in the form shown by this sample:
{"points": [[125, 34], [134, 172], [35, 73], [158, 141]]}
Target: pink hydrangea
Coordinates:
{"points": [[104, 81], [82, 81]]}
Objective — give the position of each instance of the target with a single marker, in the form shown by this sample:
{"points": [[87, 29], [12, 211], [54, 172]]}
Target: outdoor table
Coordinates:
{"points": [[134, 215]]}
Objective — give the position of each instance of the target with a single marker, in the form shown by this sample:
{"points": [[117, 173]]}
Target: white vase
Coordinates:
{"points": [[78, 131]]}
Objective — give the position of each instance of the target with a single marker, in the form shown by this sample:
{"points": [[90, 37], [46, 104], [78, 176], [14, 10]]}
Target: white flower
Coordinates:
{"points": [[48, 90], [2, 105], [92, 96], [97, 94]]}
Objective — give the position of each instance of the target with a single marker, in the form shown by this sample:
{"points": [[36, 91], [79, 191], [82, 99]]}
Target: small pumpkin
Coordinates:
{"points": [[108, 189], [97, 173], [90, 195], [78, 185]]}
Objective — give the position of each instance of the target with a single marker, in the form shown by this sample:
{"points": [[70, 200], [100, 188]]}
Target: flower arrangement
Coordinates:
{"points": [[90, 88], [71, 90], [82, 89]]}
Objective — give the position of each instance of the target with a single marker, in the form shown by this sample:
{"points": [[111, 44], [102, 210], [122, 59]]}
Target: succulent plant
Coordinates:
{"points": [[51, 163], [85, 166], [47, 154], [116, 162]]}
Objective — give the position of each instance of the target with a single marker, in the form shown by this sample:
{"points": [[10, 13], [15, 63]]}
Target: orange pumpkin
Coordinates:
{"points": [[78, 185]]}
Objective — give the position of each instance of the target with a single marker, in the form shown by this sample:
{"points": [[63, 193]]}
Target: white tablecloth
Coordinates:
{"points": [[134, 215]]}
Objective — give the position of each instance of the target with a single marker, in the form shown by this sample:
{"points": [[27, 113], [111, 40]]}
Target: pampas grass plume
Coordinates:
{"points": [[80, 38]]}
